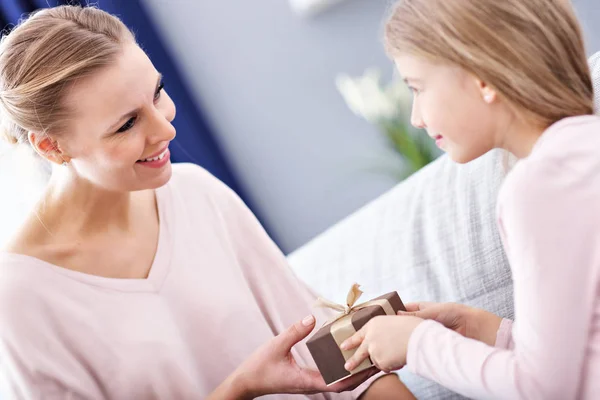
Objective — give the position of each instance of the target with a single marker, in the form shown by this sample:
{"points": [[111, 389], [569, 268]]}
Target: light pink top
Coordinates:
{"points": [[549, 219], [217, 290]]}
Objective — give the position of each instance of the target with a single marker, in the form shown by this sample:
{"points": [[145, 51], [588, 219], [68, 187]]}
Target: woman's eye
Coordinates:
{"points": [[158, 90], [128, 125]]}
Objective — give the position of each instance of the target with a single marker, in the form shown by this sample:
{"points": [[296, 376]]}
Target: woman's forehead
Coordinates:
{"points": [[116, 89]]}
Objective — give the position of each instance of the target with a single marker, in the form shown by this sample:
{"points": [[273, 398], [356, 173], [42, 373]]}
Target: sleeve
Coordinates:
{"points": [[550, 231], [27, 373], [504, 339], [282, 297]]}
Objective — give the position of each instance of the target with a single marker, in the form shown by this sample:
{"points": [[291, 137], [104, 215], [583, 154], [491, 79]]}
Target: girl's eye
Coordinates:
{"points": [[128, 125], [158, 90]]}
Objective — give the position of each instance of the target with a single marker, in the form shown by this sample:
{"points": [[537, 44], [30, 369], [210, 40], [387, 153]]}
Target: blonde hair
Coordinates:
{"points": [[43, 56], [530, 51]]}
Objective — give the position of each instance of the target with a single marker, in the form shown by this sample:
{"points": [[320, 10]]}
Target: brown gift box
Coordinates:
{"points": [[324, 344]]}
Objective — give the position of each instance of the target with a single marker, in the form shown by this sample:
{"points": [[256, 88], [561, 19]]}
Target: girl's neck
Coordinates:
{"points": [[521, 136]]}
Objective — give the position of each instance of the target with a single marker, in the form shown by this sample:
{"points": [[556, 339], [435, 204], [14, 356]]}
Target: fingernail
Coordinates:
{"points": [[344, 345], [347, 366], [308, 320]]}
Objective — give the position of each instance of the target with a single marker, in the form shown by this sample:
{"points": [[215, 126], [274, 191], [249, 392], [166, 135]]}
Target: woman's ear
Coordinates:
{"points": [[47, 147]]}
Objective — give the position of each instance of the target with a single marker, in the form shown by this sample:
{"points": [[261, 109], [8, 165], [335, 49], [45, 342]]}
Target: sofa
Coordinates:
{"points": [[433, 237]]}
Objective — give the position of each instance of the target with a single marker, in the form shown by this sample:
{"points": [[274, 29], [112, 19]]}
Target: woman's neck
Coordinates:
{"points": [[75, 206]]}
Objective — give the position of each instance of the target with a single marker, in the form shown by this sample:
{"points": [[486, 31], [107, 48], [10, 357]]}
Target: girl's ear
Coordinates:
{"points": [[488, 94]]}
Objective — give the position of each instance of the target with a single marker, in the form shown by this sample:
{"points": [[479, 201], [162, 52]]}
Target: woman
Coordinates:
{"points": [[133, 278]]}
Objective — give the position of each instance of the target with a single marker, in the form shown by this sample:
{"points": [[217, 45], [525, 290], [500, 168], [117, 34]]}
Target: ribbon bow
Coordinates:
{"points": [[353, 294]]}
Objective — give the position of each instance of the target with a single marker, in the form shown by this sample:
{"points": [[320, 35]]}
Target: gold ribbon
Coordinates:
{"points": [[342, 328]]}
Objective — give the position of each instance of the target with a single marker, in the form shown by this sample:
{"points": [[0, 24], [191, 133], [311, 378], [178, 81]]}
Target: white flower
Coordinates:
{"points": [[400, 94], [366, 97]]}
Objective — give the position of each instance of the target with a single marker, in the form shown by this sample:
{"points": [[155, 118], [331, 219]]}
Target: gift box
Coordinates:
{"points": [[324, 345]]}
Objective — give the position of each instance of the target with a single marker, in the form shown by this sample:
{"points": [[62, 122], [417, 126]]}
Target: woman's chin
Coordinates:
{"points": [[163, 178], [157, 180]]}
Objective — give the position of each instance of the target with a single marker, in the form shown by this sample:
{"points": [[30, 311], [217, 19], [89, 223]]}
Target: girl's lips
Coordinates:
{"points": [[439, 141]]}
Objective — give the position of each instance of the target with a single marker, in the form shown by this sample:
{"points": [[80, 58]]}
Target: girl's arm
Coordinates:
{"points": [[549, 224]]}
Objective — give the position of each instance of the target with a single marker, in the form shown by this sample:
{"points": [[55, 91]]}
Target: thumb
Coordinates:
{"points": [[412, 307], [295, 333], [425, 310]]}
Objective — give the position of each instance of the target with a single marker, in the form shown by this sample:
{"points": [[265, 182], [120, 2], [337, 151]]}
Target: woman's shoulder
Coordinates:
{"points": [[22, 287], [194, 178], [196, 186], [184, 173]]}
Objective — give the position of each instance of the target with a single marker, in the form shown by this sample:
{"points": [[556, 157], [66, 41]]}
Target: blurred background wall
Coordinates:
{"points": [[265, 78], [258, 105]]}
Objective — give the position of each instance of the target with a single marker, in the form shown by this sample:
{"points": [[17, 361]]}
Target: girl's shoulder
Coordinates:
{"points": [[564, 162]]}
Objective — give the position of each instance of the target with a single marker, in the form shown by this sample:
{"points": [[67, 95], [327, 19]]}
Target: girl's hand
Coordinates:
{"points": [[384, 339], [272, 369], [468, 321]]}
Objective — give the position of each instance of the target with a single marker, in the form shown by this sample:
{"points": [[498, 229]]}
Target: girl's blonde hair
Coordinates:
{"points": [[530, 51], [43, 56]]}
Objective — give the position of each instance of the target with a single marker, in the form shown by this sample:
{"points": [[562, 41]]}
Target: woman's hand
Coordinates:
{"points": [[384, 339], [272, 369], [470, 322]]}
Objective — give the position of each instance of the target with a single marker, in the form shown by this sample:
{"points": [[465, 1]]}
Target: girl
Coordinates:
{"points": [[133, 278], [509, 74]]}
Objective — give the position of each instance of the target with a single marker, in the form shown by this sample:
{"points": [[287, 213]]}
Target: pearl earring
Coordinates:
{"points": [[488, 98]]}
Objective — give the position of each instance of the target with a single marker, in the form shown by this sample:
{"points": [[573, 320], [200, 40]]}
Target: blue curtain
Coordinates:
{"points": [[195, 142]]}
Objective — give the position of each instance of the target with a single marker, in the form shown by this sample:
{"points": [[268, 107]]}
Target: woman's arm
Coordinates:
{"points": [[231, 389]]}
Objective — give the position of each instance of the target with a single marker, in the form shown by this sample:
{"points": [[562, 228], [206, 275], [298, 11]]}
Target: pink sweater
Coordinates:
{"points": [[217, 290], [549, 220]]}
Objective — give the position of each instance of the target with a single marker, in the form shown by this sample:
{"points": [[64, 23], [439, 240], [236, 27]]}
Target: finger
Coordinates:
{"points": [[295, 333], [407, 313], [422, 305], [361, 354], [353, 341]]}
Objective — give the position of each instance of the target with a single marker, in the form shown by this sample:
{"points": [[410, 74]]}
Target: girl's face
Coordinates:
{"points": [[119, 134], [460, 112]]}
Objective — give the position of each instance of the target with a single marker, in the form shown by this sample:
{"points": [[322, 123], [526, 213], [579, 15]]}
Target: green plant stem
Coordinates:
{"points": [[414, 151]]}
